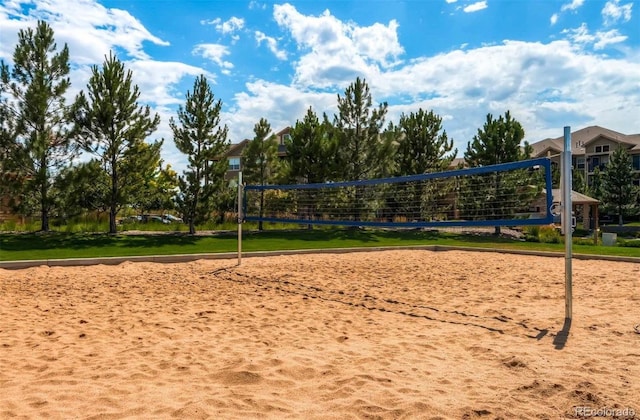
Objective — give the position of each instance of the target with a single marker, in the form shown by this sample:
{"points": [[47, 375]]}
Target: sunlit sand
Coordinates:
{"points": [[392, 334]]}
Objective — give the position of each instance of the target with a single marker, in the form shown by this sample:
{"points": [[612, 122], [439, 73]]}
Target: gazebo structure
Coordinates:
{"points": [[584, 207]]}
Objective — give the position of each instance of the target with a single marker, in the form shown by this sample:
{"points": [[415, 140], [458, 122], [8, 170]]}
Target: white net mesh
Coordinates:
{"points": [[507, 194]]}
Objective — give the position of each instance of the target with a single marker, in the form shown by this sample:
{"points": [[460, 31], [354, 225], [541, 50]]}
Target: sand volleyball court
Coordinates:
{"points": [[390, 335]]}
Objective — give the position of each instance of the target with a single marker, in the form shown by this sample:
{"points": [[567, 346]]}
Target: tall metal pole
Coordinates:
{"points": [[240, 217], [567, 222]]}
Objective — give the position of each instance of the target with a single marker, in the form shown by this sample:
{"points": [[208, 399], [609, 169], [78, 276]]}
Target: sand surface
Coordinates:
{"points": [[392, 334]]}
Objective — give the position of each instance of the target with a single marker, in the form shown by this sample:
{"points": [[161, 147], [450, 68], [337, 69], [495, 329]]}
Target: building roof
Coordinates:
{"points": [[554, 146], [581, 138], [576, 197], [236, 149]]}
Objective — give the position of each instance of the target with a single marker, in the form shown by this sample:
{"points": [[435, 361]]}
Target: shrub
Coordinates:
{"points": [[531, 233], [549, 235], [9, 226], [631, 243], [583, 241]]}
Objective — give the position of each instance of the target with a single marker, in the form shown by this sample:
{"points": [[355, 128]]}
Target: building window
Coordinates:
{"points": [[636, 162], [598, 149], [605, 149], [234, 164], [580, 162]]}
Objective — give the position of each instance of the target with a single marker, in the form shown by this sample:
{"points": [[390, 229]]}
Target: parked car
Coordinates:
{"points": [[147, 218], [131, 219], [172, 219]]}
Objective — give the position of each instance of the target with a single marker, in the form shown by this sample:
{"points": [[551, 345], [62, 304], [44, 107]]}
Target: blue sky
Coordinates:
{"points": [[551, 63]]}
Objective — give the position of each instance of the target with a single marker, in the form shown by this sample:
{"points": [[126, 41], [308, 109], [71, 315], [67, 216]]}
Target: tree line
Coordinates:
{"points": [[41, 137]]}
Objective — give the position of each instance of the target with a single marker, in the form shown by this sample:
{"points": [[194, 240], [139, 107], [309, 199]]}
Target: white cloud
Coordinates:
{"points": [[554, 19], [451, 1], [599, 40], [157, 80], [608, 38], [580, 35], [333, 51], [90, 29], [546, 86], [253, 4], [574, 5], [475, 7], [517, 76], [215, 53], [272, 44], [378, 42], [613, 12], [280, 104], [227, 27]]}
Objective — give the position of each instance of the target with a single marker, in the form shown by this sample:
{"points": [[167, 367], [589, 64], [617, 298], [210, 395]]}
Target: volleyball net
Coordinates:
{"points": [[509, 194]]}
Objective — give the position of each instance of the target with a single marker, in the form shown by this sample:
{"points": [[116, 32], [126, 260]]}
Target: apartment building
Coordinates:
{"points": [[591, 148], [234, 154]]}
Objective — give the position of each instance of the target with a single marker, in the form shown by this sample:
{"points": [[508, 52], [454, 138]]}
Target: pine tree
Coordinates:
{"points": [[361, 151], [260, 160], [423, 145], [595, 188], [112, 126], [310, 150], [618, 191], [201, 137], [577, 178], [34, 125], [7, 142], [310, 157], [497, 142]]}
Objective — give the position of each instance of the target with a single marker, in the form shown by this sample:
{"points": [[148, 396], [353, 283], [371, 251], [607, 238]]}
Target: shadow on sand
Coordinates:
{"points": [[563, 335]]}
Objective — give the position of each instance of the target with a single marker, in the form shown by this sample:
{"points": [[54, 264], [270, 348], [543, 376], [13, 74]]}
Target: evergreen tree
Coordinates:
{"points": [[577, 178], [201, 137], [260, 160], [423, 145], [595, 190], [35, 122], [363, 152], [618, 191], [497, 195], [7, 142], [310, 156], [112, 126], [83, 187], [310, 150]]}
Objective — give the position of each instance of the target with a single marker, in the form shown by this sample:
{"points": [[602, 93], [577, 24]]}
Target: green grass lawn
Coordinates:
{"points": [[58, 245]]}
